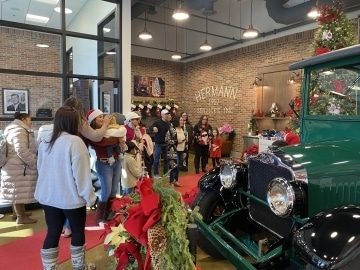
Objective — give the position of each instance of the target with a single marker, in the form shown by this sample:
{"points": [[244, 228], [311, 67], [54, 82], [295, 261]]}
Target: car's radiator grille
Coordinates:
{"points": [[260, 174]]}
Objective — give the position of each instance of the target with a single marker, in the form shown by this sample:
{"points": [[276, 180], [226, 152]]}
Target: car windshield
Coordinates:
{"points": [[334, 91]]}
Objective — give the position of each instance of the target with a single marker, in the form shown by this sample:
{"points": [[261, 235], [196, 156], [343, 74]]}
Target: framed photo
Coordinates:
{"points": [[106, 101], [146, 86], [15, 100]]}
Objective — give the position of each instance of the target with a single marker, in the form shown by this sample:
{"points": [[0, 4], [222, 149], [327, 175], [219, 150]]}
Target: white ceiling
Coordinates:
{"points": [[225, 27]]}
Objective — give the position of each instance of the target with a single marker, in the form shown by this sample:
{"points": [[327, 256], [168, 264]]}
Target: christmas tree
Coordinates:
{"points": [[335, 30]]}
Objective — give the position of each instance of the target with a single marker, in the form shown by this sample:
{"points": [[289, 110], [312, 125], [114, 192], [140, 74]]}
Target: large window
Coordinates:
{"points": [[334, 91], [59, 50]]}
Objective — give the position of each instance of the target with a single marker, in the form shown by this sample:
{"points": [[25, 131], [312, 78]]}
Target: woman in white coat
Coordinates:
{"points": [[19, 174]]}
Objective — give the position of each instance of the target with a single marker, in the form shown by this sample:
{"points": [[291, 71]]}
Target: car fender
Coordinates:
{"points": [[330, 239]]}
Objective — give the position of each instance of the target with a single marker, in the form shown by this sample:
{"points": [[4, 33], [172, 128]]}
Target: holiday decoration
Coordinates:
{"points": [[149, 229], [335, 31]]}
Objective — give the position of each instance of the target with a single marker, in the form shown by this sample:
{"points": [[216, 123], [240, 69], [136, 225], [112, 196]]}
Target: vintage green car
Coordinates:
{"points": [[295, 207]]}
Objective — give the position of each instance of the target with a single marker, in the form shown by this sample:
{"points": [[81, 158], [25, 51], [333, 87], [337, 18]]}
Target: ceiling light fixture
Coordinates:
{"points": [[180, 14], [67, 10], [145, 34], [206, 46], [251, 32], [35, 18], [314, 11], [176, 55]]}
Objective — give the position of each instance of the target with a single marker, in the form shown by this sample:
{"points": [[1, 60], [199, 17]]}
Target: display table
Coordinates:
{"points": [[262, 143]]}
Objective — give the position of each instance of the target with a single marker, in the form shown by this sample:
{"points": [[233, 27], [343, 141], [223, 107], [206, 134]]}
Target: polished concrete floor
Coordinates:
{"points": [[9, 232]]}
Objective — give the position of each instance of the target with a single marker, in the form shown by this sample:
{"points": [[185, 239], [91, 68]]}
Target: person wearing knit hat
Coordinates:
{"points": [[108, 168], [114, 130], [92, 114]]}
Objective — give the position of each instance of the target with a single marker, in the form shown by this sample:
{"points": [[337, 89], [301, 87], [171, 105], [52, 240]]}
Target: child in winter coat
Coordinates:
{"points": [[215, 149], [131, 170]]}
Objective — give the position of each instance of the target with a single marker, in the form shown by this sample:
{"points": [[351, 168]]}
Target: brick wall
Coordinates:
{"points": [[221, 85]]}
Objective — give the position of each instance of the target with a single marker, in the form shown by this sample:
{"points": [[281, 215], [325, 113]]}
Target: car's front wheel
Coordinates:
{"points": [[211, 207]]}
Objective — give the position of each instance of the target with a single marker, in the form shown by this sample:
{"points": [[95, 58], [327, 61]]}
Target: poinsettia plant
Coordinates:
{"points": [[226, 129], [149, 229]]}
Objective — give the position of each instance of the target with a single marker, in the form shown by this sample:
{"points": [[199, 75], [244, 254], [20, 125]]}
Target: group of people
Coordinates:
{"points": [[173, 138], [57, 173]]}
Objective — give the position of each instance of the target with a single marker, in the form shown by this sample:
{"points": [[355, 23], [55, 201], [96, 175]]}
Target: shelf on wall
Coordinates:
{"points": [[273, 118]]}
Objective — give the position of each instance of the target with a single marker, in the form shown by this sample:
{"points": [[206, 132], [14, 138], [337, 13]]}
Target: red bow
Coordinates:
{"points": [[319, 51], [339, 86], [122, 254]]}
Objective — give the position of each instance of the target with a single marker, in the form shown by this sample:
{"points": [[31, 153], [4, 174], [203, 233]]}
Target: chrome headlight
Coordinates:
{"points": [[228, 176], [281, 196]]}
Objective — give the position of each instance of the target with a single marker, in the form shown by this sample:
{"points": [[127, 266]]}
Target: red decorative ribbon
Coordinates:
{"points": [[122, 254]]}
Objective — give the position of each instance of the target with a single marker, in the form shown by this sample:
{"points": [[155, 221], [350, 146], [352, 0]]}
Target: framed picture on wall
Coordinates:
{"points": [[147, 86], [15, 100], [106, 101]]}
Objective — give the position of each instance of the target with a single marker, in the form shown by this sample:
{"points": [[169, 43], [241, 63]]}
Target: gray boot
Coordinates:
{"points": [[49, 258], [78, 259]]}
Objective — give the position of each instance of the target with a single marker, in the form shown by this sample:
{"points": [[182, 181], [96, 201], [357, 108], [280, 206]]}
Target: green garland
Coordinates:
{"points": [[174, 219]]}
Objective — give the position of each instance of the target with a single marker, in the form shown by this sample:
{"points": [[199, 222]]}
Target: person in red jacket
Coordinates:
{"points": [[215, 148]]}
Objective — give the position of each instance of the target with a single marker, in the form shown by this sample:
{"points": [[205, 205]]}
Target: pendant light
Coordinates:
{"points": [[206, 46], [314, 12], [251, 32], [176, 55], [180, 14], [145, 34]]}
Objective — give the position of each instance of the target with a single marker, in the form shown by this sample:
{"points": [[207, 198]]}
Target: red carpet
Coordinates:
{"points": [[188, 182], [25, 253]]}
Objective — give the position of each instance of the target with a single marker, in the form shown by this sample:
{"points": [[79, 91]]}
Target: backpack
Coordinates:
{"points": [[3, 151]]}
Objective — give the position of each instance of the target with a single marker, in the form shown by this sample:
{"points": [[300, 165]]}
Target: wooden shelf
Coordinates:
{"points": [[272, 118]]}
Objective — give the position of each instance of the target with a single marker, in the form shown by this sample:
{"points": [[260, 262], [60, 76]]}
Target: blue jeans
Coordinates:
{"points": [[174, 173], [109, 177], [127, 191], [160, 149]]}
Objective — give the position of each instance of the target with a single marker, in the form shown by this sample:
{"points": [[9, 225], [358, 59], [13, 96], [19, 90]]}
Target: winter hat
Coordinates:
{"points": [[164, 111], [120, 118], [131, 145], [92, 114], [132, 115]]}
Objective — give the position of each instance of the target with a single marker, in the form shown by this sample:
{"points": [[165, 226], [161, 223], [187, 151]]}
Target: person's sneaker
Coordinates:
{"points": [[156, 176]]}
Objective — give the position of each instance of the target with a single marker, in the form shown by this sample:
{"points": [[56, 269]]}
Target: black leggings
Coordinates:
{"points": [[55, 218], [201, 156], [216, 162]]}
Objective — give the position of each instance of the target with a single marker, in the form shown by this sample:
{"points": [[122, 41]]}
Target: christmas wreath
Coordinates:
{"points": [[149, 228]]}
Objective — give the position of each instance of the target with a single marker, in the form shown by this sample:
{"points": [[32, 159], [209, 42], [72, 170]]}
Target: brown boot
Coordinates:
{"points": [[100, 213], [14, 216], [22, 218]]}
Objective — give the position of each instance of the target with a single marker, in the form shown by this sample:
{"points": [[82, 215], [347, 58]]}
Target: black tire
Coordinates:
{"points": [[211, 207]]}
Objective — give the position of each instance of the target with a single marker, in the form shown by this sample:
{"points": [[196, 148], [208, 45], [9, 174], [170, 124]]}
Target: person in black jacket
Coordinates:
{"points": [[202, 138], [159, 128]]}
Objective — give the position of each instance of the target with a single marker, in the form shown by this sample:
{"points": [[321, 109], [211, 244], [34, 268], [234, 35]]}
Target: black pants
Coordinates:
{"points": [[55, 218], [201, 155], [215, 162]]}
